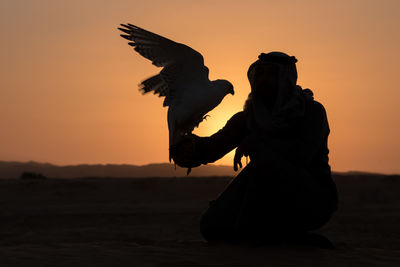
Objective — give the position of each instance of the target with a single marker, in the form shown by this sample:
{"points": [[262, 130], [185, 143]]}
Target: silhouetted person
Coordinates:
{"points": [[286, 189]]}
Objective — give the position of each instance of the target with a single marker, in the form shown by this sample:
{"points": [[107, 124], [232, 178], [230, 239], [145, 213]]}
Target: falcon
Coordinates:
{"points": [[183, 80]]}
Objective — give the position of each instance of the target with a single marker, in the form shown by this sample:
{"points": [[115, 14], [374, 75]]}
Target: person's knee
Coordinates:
{"points": [[215, 224]]}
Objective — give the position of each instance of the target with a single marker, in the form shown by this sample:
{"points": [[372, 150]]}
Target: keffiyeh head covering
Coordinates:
{"points": [[290, 98]]}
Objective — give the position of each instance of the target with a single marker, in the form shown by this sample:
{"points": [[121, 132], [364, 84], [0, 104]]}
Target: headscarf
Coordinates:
{"points": [[290, 99]]}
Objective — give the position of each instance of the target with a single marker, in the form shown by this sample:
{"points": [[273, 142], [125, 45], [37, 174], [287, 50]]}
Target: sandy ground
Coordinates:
{"points": [[154, 222]]}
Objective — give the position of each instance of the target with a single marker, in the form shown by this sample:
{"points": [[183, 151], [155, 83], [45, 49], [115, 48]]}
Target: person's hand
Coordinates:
{"points": [[241, 150], [237, 160], [184, 153]]}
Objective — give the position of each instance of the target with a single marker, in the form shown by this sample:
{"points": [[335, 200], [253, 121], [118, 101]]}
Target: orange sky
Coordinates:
{"points": [[68, 91]]}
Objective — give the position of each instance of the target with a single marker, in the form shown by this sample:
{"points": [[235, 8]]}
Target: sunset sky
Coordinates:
{"points": [[68, 82]]}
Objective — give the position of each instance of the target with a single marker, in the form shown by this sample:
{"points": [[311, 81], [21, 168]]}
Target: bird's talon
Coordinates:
{"points": [[205, 117]]}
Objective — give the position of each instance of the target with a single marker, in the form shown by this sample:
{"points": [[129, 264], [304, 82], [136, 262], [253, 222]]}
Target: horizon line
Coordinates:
{"points": [[168, 163]]}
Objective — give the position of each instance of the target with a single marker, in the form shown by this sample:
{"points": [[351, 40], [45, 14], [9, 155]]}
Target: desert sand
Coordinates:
{"points": [[154, 222]]}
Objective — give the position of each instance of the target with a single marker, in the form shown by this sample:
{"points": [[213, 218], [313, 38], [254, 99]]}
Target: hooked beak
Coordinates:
{"points": [[231, 91]]}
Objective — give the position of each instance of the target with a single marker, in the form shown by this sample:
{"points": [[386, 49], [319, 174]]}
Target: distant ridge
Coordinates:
{"points": [[361, 173], [12, 169]]}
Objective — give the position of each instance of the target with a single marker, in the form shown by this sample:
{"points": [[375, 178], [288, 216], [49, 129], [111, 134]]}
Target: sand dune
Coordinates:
{"points": [[154, 222]]}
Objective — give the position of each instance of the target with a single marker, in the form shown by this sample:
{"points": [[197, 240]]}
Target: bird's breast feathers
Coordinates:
{"points": [[195, 104]]}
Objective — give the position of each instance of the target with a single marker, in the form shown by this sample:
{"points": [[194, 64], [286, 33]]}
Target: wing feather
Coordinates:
{"points": [[158, 49], [177, 60], [162, 84]]}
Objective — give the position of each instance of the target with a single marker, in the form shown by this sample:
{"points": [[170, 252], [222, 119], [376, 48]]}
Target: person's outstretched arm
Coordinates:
{"points": [[193, 150]]}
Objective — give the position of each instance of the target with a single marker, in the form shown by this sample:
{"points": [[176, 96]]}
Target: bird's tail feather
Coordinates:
{"points": [[174, 137], [171, 129]]}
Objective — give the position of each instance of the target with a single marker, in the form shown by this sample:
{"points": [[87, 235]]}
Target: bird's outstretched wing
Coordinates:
{"points": [[177, 60]]}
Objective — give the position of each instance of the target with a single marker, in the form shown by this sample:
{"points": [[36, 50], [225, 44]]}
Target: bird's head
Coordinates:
{"points": [[225, 86]]}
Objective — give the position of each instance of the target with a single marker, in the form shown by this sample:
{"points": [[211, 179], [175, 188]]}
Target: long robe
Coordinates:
{"points": [[287, 186]]}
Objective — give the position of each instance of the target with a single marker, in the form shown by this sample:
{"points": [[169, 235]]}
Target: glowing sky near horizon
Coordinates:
{"points": [[68, 82]]}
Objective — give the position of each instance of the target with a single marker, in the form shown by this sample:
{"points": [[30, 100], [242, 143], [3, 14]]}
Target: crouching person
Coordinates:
{"points": [[287, 188]]}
